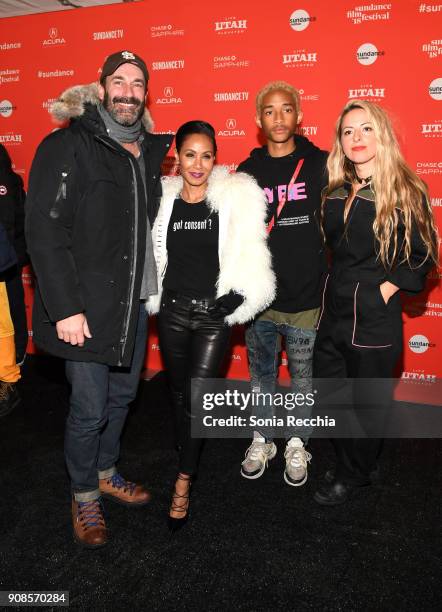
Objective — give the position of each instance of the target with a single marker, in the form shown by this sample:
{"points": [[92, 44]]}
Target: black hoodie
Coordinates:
{"points": [[295, 240]]}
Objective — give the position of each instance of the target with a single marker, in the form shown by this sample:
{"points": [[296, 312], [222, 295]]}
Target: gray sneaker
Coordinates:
{"points": [[296, 459], [256, 459]]}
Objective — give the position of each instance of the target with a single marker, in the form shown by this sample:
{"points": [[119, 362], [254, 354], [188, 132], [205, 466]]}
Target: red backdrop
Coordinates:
{"points": [[208, 62]]}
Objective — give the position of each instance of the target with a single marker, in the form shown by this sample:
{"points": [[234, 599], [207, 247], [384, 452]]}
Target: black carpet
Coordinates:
{"points": [[250, 545]]}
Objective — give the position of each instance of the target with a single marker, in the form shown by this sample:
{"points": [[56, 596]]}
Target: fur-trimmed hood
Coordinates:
{"points": [[72, 103]]}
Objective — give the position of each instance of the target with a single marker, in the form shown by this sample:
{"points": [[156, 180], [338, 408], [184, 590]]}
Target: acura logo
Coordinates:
{"points": [[168, 92], [53, 32], [231, 124]]}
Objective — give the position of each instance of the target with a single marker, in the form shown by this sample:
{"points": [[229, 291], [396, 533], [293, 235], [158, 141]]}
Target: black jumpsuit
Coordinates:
{"points": [[359, 335]]}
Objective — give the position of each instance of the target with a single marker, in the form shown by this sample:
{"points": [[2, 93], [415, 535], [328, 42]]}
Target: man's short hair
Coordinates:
{"points": [[273, 86]]}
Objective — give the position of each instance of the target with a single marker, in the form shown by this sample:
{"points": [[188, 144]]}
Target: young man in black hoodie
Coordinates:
{"points": [[292, 172]]}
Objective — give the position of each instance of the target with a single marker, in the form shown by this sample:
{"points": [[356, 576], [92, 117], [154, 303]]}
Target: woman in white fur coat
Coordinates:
{"points": [[214, 271]]}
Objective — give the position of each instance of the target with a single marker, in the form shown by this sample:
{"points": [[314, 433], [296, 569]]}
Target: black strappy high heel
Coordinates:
{"points": [[173, 523]]}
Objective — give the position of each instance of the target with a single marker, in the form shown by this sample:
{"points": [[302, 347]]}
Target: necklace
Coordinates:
{"points": [[363, 181]]}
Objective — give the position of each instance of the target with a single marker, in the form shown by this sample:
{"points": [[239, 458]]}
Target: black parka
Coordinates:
{"points": [[12, 209], [87, 236]]}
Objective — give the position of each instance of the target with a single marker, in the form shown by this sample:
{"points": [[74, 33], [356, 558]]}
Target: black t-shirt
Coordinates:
{"points": [[192, 250], [295, 240]]}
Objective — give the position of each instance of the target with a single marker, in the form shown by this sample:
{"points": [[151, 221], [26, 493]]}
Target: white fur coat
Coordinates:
{"points": [[244, 258]]}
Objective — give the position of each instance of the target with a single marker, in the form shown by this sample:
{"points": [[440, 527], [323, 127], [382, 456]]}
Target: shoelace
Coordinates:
{"points": [[256, 452], [91, 513], [298, 457], [118, 482]]}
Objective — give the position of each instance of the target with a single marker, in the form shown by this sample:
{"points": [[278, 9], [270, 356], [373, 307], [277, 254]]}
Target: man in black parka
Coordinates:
{"points": [[93, 193]]}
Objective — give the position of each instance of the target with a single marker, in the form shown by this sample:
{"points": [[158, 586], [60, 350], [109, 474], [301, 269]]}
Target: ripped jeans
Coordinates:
{"points": [[263, 347]]}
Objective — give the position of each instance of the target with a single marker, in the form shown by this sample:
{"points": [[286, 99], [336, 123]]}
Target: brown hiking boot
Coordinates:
{"points": [[124, 492], [88, 522]]}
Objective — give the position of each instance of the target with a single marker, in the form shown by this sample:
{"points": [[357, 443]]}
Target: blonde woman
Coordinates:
{"points": [[378, 225]]}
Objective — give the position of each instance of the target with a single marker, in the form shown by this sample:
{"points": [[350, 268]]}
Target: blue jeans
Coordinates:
{"points": [[263, 347], [99, 405]]}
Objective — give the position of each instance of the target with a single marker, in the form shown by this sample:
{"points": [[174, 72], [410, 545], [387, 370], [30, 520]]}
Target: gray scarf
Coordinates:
{"points": [[121, 133]]}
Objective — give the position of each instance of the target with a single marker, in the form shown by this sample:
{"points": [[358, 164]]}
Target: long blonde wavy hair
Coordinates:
{"points": [[395, 185]]}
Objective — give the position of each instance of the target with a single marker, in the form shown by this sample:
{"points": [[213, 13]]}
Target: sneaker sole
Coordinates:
{"points": [[271, 456], [295, 483]]}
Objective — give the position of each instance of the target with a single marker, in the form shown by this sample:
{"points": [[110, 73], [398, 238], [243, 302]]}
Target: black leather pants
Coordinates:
{"points": [[193, 346]]}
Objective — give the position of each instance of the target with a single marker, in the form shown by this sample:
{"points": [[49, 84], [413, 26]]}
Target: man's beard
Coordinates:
{"points": [[128, 116]]}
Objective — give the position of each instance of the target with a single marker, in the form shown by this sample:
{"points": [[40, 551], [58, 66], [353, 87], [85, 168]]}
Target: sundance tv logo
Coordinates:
{"points": [[232, 130], [169, 97], [108, 35], [231, 25], [300, 20], [419, 344], [367, 54], [176, 64], [54, 38], [231, 96]]}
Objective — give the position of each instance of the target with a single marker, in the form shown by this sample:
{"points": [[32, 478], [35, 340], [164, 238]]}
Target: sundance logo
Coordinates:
{"points": [[367, 54], [231, 26], [300, 20], [9, 76], [419, 344], [231, 96], [169, 97], [433, 48], [370, 93], [6, 108], [54, 38], [435, 89], [232, 130], [7, 46], [369, 12]]}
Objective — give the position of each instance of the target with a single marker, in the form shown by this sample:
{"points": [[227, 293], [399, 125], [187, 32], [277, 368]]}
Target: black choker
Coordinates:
{"points": [[364, 181]]}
